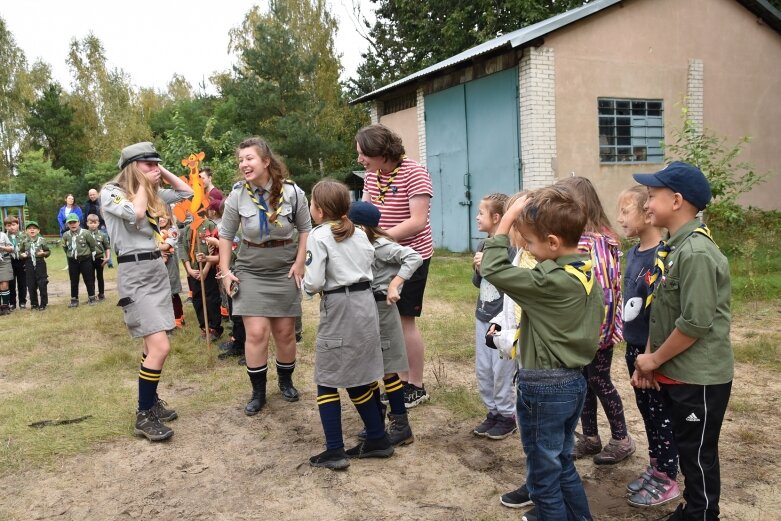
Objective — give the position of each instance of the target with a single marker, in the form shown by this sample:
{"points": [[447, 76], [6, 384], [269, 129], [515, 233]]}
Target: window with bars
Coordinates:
{"points": [[630, 130]]}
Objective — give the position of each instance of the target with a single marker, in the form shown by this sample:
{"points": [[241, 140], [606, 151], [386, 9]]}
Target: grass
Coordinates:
{"points": [[67, 363]]}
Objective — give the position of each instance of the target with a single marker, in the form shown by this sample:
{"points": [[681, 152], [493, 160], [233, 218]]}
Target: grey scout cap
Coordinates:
{"points": [[144, 151]]}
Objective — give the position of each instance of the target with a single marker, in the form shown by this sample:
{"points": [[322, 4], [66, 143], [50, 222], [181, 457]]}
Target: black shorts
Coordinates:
{"points": [[411, 302]]}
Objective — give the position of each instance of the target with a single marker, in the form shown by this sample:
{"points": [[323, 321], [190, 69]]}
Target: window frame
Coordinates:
{"points": [[632, 128]]}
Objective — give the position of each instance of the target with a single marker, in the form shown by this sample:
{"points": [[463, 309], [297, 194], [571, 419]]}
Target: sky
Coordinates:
{"points": [[153, 39]]}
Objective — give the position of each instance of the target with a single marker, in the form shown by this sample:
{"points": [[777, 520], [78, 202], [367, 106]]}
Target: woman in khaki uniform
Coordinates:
{"points": [[266, 281], [132, 202]]}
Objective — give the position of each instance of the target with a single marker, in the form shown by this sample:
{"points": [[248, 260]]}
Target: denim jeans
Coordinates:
{"points": [[548, 414]]}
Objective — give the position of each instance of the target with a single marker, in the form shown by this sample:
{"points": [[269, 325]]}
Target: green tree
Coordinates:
{"points": [[409, 35], [18, 87], [52, 127], [105, 103], [45, 187], [286, 87]]}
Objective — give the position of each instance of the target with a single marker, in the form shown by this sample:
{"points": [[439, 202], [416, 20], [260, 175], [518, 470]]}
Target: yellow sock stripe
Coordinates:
{"points": [[149, 377], [362, 399], [393, 386], [327, 396], [373, 386], [324, 399]]}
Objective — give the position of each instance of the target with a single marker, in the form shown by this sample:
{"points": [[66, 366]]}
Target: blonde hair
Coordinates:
{"points": [[639, 196], [132, 180], [333, 199], [92, 218]]}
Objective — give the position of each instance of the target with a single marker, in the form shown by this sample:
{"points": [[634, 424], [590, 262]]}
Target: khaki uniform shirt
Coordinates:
{"points": [[391, 259], [694, 297], [331, 264], [241, 211], [29, 248], [206, 228], [102, 242], [79, 244], [128, 235], [560, 322]]}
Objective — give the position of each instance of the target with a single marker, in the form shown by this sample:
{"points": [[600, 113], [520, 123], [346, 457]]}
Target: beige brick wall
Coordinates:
{"points": [[537, 100], [421, 114], [695, 92]]}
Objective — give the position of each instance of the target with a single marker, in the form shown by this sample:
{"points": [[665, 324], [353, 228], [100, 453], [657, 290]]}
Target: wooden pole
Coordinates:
{"points": [[210, 360]]}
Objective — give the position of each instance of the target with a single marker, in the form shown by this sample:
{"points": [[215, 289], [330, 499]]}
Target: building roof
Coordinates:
{"points": [[527, 34], [12, 200]]}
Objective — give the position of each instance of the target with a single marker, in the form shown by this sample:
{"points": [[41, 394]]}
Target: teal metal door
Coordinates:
{"points": [[446, 159], [471, 151], [492, 138]]}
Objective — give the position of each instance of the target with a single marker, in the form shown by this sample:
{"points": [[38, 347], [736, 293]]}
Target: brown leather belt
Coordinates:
{"points": [[268, 244]]}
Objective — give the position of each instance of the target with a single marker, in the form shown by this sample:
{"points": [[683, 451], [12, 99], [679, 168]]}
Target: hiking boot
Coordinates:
{"points": [[531, 515], [657, 490], [74, 303], [488, 423], [334, 459], [586, 445], [4, 310], [150, 426], [633, 487], [379, 448], [414, 395], [289, 392], [504, 427], [164, 414], [91, 301], [101, 297], [615, 451], [517, 498], [214, 334], [233, 350], [228, 344], [255, 403], [399, 431]]}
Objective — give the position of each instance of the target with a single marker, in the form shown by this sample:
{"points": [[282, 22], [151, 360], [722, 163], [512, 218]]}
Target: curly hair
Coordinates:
{"points": [[380, 141]]}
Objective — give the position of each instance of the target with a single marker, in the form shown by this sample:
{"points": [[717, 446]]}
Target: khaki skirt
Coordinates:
{"points": [[6, 270], [347, 348], [394, 350], [264, 289], [145, 297]]}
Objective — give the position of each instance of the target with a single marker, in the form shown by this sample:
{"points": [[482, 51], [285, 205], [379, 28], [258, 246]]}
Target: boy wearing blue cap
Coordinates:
{"points": [[689, 356]]}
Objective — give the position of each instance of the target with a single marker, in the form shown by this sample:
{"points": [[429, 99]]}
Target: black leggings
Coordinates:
{"points": [[600, 385]]}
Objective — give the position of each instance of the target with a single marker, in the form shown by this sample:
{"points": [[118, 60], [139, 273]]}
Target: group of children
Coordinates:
{"points": [[551, 310], [23, 262]]}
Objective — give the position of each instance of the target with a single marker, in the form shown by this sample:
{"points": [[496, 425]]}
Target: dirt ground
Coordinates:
{"points": [[222, 465]]}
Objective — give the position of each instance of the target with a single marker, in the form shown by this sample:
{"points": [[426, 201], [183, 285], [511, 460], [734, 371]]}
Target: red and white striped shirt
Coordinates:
{"points": [[412, 180]]}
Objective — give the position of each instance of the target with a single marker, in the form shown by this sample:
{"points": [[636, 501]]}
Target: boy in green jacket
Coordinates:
{"points": [[689, 354], [562, 313], [80, 248]]}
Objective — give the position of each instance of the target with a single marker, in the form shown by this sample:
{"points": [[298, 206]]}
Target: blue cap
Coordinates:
{"points": [[683, 178], [364, 213]]}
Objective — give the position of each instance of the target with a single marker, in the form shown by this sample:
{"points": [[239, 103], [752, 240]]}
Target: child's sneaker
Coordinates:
{"points": [[657, 490], [74, 303], [414, 395], [586, 445], [531, 515], [504, 426], [486, 425], [633, 487], [615, 451], [517, 498]]}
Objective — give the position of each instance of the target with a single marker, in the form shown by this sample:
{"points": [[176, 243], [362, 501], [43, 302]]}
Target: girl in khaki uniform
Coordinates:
{"points": [[132, 203]]}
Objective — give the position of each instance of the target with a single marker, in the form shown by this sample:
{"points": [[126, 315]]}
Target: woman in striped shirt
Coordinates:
{"points": [[401, 189]]}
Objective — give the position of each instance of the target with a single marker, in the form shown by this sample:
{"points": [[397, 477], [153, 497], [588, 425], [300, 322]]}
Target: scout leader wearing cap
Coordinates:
{"points": [[269, 264], [131, 204], [34, 250], [689, 355]]}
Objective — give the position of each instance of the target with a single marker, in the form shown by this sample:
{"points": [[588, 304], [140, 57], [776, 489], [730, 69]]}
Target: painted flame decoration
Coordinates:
{"points": [[195, 205]]}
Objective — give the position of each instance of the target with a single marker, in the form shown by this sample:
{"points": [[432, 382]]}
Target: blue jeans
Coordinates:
{"points": [[548, 414]]}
